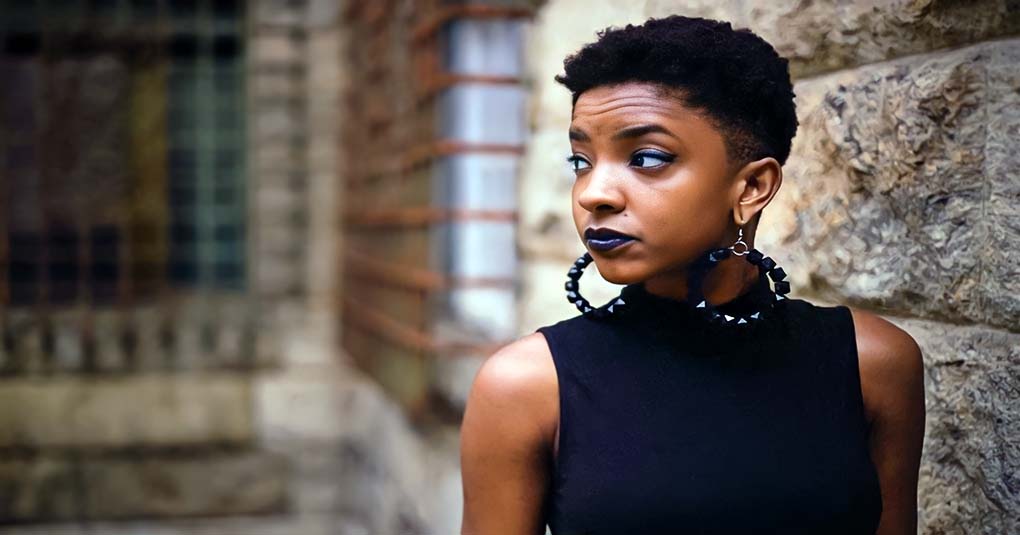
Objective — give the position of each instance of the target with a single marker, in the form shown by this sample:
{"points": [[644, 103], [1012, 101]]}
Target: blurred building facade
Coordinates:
{"points": [[169, 360], [254, 252]]}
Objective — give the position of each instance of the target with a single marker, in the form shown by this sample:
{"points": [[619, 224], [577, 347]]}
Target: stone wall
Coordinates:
{"points": [[901, 196]]}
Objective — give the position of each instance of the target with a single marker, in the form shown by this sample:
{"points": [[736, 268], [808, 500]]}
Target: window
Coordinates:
{"points": [[121, 149]]}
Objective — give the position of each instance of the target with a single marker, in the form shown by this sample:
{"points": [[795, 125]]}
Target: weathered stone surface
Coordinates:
{"points": [[134, 411], [902, 191], [83, 487], [395, 479], [299, 406], [283, 13], [545, 223], [970, 470], [551, 38], [37, 489], [23, 331], [277, 47], [226, 484], [834, 34]]}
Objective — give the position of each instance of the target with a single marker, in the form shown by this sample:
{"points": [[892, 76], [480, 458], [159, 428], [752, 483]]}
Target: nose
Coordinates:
{"points": [[600, 191]]}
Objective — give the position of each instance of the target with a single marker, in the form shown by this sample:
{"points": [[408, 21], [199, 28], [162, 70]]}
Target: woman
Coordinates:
{"points": [[700, 400]]}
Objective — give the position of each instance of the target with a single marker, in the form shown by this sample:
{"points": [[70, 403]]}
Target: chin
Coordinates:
{"points": [[620, 271]]}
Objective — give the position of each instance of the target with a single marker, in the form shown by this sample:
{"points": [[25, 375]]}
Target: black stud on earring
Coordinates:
{"points": [[574, 291]]}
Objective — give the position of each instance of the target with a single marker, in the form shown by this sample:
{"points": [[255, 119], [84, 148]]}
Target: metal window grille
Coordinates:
{"points": [[435, 129]]}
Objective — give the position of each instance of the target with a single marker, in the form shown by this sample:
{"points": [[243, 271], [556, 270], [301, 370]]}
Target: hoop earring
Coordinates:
{"points": [[696, 275], [765, 265], [574, 291]]}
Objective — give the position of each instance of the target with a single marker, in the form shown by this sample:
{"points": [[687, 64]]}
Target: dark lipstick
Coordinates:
{"points": [[604, 239]]}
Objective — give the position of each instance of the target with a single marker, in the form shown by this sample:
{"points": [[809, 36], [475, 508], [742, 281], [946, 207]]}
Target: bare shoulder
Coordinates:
{"points": [[506, 439], [518, 381], [890, 360], [892, 385]]}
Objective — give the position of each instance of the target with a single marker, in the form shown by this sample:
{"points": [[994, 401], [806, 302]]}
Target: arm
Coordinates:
{"points": [[892, 383], [506, 440]]}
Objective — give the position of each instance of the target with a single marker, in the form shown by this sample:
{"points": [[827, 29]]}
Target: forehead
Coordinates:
{"points": [[603, 109]]}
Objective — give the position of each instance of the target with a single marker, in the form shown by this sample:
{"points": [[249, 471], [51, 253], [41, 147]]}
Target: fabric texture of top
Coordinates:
{"points": [[665, 429]]}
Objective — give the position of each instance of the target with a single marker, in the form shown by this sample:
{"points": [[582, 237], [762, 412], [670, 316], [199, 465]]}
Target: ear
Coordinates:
{"points": [[755, 184]]}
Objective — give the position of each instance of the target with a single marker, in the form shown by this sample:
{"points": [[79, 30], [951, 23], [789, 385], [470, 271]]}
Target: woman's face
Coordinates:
{"points": [[649, 167]]}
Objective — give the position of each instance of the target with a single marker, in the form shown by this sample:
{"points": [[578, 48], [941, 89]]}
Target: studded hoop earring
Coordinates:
{"points": [[765, 265], [574, 291]]}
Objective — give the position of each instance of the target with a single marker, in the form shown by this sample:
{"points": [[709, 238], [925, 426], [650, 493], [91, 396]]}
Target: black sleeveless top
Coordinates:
{"points": [[666, 430]]}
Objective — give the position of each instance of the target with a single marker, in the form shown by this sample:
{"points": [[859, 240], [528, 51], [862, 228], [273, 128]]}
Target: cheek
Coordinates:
{"points": [[685, 220], [671, 221]]}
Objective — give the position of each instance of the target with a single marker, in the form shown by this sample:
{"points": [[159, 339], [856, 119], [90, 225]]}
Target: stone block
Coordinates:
{"points": [[35, 489], [305, 406], [832, 34], [24, 333], [278, 280], [278, 198], [829, 35], [277, 123], [324, 57], [217, 485], [970, 467], [282, 13], [276, 158], [901, 193], [276, 47], [323, 13], [171, 410], [273, 86]]}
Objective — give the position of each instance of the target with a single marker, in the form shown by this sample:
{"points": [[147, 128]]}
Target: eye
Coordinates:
{"points": [[650, 159], [577, 163]]}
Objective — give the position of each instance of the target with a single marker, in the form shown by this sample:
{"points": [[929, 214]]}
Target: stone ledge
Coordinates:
{"points": [[77, 488], [227, 485], [167, 410]]}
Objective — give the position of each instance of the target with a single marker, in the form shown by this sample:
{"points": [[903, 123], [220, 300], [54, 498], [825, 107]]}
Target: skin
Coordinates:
{"points": [[676, 209]]}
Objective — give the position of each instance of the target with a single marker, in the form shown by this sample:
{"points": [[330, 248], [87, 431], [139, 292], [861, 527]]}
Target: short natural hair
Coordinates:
{"points": [[733, 76]]}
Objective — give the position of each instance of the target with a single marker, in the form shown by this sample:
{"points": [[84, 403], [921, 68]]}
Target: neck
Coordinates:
{"points": [[728, 280]]}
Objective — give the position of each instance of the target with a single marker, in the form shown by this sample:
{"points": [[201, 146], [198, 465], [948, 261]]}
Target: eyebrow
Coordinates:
{"points": [[640, 130], [627, 133], [577, 135]]}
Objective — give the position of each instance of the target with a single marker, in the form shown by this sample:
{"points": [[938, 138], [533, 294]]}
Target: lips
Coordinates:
{"points": [[604, 239]]}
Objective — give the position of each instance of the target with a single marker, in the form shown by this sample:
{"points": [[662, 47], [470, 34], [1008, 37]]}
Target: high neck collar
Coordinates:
{"points": [[670, 315]]}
